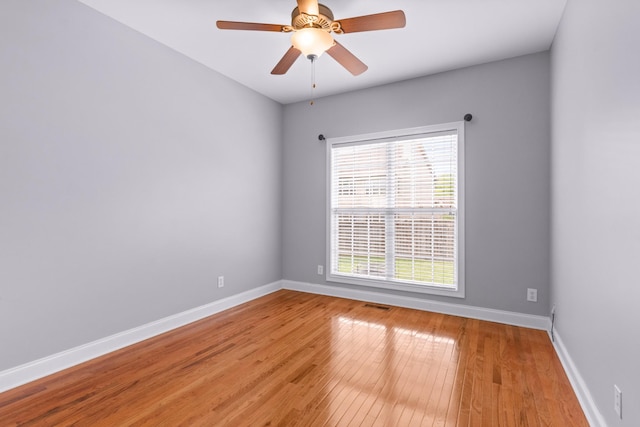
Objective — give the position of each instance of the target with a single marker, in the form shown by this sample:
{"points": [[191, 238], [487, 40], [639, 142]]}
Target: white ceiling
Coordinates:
{"points": [[440, 35]]}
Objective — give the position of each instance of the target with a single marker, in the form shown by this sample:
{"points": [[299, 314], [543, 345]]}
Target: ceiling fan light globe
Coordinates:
{"points": [[311, 41]]}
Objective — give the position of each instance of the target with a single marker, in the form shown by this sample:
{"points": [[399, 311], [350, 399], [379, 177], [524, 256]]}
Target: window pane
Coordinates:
{"points": [[361, 176], [424, 172], [360, 244], [425, 248]]}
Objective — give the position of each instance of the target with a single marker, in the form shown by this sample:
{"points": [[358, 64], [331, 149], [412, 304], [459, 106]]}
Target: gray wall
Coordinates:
{"points": [[130, 178], [507, 172], [595, 203]]}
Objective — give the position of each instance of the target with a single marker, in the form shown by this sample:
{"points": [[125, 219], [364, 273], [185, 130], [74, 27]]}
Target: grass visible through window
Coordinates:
{"points": [[417, 270]]}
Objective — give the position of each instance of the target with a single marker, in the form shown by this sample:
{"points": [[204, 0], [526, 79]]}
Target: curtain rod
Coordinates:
{"points": [[467, 118]]}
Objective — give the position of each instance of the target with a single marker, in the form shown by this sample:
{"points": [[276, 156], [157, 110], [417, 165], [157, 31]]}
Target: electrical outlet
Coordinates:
{"points": [[320, 270], [617, 401], [532, 295], [221, 281]]}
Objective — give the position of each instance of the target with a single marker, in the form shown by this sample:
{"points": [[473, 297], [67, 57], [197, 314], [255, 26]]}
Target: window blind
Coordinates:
{"points": [[394, 210]]}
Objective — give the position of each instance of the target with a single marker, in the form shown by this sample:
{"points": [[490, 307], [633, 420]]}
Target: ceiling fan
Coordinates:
{"points": [[311, 27]]}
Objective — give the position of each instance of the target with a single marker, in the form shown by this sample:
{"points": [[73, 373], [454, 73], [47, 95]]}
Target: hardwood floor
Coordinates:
{"points": [[299, 359]]}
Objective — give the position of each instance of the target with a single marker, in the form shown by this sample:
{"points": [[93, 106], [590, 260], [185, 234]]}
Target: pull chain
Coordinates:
{"points": [[313, 78]]}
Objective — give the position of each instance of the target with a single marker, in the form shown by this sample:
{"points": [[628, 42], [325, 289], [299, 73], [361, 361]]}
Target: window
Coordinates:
{"points": [[395, 211]]}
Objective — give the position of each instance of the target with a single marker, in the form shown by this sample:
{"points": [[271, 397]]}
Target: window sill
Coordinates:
{"points": [[397, 286]]}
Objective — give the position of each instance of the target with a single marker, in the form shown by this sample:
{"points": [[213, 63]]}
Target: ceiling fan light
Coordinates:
{"points": [[311, 41]]}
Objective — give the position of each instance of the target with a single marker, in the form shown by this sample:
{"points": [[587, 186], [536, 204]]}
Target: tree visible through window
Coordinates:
{"points": [[395, 210]]}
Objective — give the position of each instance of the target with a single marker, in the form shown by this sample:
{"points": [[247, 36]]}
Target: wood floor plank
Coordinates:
{"points": [[440, 396], [296, 359]]}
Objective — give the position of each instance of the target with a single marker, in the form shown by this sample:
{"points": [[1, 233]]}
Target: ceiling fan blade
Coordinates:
{"points": [[251, 26], [310, 7], [347, 59], [287, 61], [378, 21]]}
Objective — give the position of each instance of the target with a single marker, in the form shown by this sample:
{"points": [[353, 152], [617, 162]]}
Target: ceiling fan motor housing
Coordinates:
{"points": [[302, 20]]}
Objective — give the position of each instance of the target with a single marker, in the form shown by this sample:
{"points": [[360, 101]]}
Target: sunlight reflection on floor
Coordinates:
{"points": [[398, 376]]}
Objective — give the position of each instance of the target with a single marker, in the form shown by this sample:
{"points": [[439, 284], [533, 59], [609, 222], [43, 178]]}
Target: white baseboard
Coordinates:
{"points": [[500, 316], [594, 417], [40, 368]]}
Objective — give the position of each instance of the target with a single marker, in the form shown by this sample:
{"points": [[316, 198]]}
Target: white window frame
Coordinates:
{"points": [[459, 290]]}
